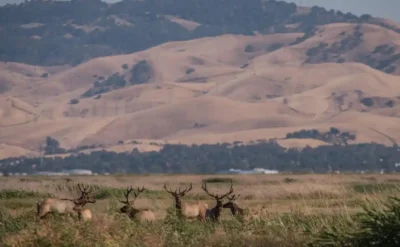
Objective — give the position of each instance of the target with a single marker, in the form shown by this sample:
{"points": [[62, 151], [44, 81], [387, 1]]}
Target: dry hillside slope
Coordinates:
{"points": [[220, 89]]}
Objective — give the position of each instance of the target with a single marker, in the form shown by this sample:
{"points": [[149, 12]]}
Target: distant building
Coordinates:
{"points": [[78, 172], [50, 173], [65, 172], [252, 171]]}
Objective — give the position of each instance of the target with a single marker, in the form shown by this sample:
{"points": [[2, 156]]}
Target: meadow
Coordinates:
{"points": [[287, 209]]}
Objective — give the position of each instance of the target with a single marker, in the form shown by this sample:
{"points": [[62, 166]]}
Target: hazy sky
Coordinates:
{"points": [[379, 8]]}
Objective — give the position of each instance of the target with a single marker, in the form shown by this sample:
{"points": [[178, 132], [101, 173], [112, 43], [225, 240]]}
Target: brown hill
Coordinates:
{"points": [[221, 89]]}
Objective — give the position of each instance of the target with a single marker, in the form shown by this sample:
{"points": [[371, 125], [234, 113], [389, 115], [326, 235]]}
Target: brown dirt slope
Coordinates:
{"points": [[218, 89]]}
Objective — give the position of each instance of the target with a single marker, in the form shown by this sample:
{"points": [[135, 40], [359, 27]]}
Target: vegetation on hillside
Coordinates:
{"points": [[70, 32], [333, 136], [100, 86], [382, 58], [140, 73], [53, 147]]}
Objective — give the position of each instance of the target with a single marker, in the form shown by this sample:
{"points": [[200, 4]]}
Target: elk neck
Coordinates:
{"points": [[178, 203], [133, 211], [217, 210], [235, 209]]}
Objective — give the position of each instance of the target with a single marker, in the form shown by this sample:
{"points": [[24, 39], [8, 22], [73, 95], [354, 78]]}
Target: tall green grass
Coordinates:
{"points": [[376, 225]]}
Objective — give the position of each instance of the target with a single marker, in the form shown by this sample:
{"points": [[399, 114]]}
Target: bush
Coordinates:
{"points": [[367, 102], [141, 72], [334, 131], [115, 81], [19, 194], [274, 47], [10, 224], [289, 180], [389, 103], [371, 188], [217, 180], [249, 49], [74, 101], [190, 70], [372, 227]]}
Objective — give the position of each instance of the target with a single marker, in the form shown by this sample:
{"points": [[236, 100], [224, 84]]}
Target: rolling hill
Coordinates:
{"points": [[342, 73]]}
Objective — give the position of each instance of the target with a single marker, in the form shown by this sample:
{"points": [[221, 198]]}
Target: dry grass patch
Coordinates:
{"points": [[283, 206]]}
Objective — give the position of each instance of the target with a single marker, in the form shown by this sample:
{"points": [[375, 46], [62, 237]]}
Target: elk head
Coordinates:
{"points": [[84, 198], [231, 201], [178, 193], [217, 197], [233, 206], [129, 204]]}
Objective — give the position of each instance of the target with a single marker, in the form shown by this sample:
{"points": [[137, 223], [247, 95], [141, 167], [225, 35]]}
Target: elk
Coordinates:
{"points": [[136, 214], [188, 210], [215, 212], [235, 209], [66, 206], [84, 214]]}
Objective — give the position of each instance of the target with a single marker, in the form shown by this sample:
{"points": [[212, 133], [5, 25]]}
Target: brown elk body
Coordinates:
{"points": [[64, 206], [188, 210], [51, 205], [215, 212], [142, 215], [85, 214]]}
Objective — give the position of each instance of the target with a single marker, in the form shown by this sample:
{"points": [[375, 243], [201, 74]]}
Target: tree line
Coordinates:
{"points": [[212, 158]]}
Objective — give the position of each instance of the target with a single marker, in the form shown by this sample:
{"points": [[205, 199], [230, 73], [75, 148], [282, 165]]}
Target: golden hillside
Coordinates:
{"points": [[220, 89]]}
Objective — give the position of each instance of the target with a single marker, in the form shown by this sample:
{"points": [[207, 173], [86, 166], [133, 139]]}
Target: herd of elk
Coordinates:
{"points": [[187, 210]]}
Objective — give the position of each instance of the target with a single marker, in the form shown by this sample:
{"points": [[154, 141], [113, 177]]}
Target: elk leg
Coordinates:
{"points": [[43, 216], [202, 218]]}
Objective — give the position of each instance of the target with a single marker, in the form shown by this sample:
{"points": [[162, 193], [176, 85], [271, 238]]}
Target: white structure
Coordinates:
{"points": [[252, 171], [66, 173], [78, 172], [50, 173]]}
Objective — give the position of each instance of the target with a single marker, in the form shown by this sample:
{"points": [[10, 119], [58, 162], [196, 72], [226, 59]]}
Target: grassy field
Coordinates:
{"points": [[297, 208]]}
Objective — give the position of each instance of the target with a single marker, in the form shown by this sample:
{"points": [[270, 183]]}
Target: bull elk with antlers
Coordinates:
{"points": [[235, 209], [187, 210], [138, 214], [215, 212], [67, 206], [84, 213]]}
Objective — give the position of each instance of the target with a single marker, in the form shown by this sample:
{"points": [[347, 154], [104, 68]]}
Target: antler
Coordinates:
{"points": [[233, 197], [84, 190], [135, 194], [84, 198], [218, 197], [128, 191], [176, 192]]}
